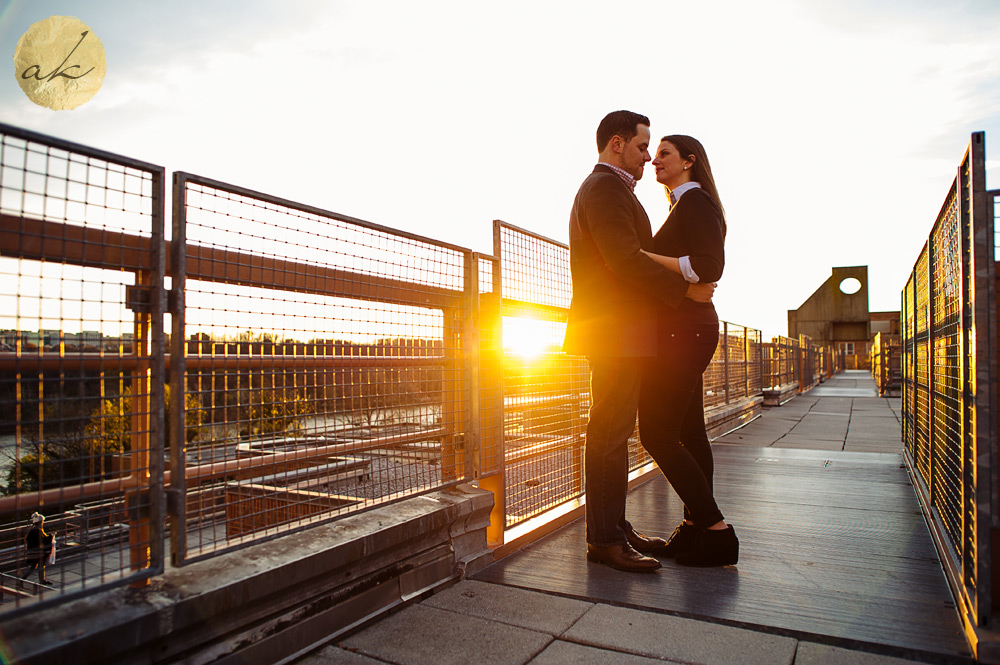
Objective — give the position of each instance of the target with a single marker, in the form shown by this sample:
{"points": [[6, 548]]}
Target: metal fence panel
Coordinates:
{"points": [[715, 384], [887, 362], [921, 406], [907, 369], [755, 365], [946, 387], [780, 362], [949, 346], [809, 363], [81, 384], [546, 392], [324, 365]]}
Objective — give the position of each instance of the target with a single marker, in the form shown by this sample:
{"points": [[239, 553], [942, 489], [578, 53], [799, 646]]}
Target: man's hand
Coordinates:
{"points": [[701, 292]]}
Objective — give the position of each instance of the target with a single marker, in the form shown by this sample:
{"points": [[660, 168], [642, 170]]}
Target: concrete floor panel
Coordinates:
{"points": [[517, 607], [421, 635], [676, 638], [810, 653], [568, 653], [335, 656]]}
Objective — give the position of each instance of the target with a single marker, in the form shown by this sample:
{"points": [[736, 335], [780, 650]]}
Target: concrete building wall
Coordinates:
{"points": [[888, 323], [833, 317]]}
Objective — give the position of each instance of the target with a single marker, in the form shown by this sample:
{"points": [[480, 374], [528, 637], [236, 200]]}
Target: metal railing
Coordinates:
{"points": [[949, 404], [323, 361], [781, 365], [832, 362], [887, 363], [735, 371], [546, 392], [810, 364], [796, 364], [318, 365], [81, 359]]}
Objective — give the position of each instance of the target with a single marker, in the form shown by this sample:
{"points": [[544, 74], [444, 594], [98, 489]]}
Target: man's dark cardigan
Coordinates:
{"points": [[616, 288]]}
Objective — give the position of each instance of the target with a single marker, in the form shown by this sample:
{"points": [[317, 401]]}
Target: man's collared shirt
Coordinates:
{"points": [[626, 177]]}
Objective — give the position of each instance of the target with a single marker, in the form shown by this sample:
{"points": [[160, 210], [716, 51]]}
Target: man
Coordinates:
{"points": [[612, 320]]}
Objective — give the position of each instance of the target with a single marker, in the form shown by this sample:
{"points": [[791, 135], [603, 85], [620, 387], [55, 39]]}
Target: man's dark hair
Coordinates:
{"points": [[619, 123]]}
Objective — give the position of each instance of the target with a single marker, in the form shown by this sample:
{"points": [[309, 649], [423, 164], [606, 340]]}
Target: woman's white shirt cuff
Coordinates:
{"points": [[687, 271]]}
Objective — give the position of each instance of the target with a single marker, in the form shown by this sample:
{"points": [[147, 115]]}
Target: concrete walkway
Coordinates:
{"points": [[480, 622], [844, 413]]}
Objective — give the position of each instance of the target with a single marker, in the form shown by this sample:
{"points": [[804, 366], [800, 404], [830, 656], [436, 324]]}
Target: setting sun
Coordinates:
{"points": [[529, 338]]}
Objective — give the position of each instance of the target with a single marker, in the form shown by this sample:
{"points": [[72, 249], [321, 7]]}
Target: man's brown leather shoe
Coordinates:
{"points": [[622, 557], [642, 543]]}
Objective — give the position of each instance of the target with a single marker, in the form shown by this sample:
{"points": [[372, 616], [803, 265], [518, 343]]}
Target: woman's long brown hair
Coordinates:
{"points": [[687, 146]]}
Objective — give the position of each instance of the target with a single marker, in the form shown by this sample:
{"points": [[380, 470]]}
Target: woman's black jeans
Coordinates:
{"points": [[672, 419]]}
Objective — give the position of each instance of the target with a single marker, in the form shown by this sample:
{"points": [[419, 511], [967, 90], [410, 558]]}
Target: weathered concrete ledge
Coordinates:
{"points": [[270, 601], [781, 394], [723, 419]]}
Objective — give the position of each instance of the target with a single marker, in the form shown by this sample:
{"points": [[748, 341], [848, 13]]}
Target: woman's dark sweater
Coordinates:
{"points": [[694, 228]]}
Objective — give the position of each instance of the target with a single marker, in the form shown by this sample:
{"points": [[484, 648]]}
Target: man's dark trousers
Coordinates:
{"points": [[614, 394]]}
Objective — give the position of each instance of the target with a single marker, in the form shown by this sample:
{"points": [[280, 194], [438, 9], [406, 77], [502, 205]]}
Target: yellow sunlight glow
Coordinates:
{"points": [[527, 338]]}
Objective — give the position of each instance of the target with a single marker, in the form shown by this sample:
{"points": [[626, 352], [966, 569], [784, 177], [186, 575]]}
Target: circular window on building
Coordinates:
{"points": [[850, 286]]}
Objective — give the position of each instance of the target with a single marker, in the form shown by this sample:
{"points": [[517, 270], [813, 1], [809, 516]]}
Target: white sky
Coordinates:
{"points": [[834, 129]]}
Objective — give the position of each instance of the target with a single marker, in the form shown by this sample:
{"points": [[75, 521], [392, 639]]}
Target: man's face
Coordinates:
{"points": [[636, 152]]}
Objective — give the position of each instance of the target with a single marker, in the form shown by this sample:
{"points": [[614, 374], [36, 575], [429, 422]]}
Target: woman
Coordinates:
{"points": [[671, 412], [37, 547]]}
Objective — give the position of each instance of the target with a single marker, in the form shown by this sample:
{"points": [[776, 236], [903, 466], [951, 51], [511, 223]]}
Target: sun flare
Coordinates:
{"points": [[528, 338]]}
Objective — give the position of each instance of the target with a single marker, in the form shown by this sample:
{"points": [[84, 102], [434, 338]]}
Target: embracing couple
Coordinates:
{"points": [[642, 313]]}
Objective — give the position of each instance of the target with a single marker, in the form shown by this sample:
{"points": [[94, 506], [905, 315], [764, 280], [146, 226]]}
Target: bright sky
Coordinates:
{"points": [[834, 129]]}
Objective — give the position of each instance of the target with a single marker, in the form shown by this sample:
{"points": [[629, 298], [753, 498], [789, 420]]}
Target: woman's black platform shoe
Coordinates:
{"points": [[714, 548], [684, 538]]}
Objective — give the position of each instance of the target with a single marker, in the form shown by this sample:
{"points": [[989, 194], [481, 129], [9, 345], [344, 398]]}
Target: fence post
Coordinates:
{"points": [[144, 500], [473, 363], [725, 356], [746, 362], [137, 496], [494, 474], [177, 492], [491, 472], [932, 465], [978, 398], [453, 417]]}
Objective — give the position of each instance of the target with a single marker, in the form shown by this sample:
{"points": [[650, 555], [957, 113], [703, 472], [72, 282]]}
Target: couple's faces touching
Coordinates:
{"points": [[672, 169]]}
